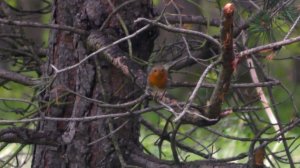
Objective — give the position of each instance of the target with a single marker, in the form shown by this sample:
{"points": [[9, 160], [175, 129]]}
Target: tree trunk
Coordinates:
{"points": [[95, 78]]}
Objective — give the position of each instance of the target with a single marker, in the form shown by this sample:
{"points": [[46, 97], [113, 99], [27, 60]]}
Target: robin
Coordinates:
{"points": [[158, 79]]}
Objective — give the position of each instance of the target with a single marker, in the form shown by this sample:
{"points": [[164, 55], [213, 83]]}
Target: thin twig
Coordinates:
{"points": [[269, 46], [116, 145], [262, 95], [179, 30], [180, 145], [124, 27], [17, 77], [57, 71], [19, 100], [106, 136], [192, 97], [292, 28], [175, 18], [173, 143], [235, 85], [105, 105], [40, 25], [81, 119], [115, 10]]}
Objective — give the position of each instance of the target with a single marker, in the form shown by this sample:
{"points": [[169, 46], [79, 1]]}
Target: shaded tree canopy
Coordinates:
{"points": [[76, 91]]}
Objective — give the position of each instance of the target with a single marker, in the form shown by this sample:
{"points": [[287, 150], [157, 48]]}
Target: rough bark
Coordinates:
{"points": [[95, 78]]}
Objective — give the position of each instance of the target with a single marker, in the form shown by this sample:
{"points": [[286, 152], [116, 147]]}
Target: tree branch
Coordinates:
{"points": [[234, 85], [40, 25], [172, 18], [139, 158], [269, 46], [227, 56], [118, 57], [17, 77], [28, 136], [179, 30]]}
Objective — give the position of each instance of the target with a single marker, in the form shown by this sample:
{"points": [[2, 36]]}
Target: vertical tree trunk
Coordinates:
{"points": [[96, 79]]}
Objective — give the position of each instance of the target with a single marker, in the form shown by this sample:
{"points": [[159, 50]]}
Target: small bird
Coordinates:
{"points": [[158, 79]]}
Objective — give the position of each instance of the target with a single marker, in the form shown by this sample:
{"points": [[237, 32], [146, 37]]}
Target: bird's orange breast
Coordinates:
{"points": [[158, 77]]}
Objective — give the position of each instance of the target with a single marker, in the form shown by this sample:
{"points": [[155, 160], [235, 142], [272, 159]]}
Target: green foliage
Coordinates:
{"points": [[156, 2], [12, 2]]}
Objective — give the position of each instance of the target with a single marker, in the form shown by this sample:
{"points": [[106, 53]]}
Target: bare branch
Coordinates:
{"points": [[227, 56], [234, 85], [28, 136], [263, 98], [192, 96], [172, 18], [292, 28], [40, 25], [269, 46], [94, 41], [17, 77], [179, 30], [81, 119]]}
